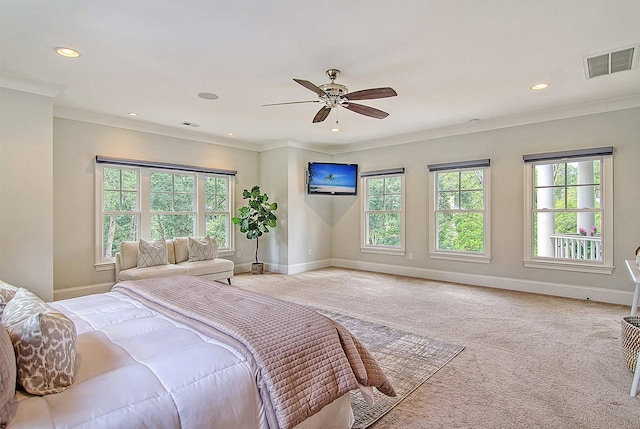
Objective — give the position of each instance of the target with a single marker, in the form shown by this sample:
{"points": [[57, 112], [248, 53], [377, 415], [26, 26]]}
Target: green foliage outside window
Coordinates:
{"points": [[120, 207], [460, 210], [384, 205]]}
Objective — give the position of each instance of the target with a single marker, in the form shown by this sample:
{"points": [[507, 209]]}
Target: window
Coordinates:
{"points": [[217, 210], [568, 205], [383, 211], [135, 202], [459, 221], [120, 209], [172, 205]]}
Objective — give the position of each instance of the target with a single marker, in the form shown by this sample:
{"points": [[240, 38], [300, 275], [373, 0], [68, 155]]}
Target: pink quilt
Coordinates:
{"points": [[303, 360]]}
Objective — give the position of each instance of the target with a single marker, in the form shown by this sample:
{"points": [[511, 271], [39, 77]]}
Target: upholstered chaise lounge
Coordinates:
{"points": [[185, 256]]}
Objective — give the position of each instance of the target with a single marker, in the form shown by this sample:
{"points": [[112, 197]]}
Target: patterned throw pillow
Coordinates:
{"points": [[44, 341], [7, 376], [152, 253], [200, 249], [6, 293]]}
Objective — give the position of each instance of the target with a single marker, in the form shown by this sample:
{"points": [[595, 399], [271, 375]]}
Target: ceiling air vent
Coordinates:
{"points": [[611, 62]]}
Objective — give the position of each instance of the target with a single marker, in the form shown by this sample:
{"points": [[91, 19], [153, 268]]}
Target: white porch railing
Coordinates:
{"points": [[575, 246]]}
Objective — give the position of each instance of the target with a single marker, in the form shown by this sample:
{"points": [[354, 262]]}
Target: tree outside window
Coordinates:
{"points": [[172, 205], [121, 211], [567, 213], [383, 212], [217, 209], [460, 211]]}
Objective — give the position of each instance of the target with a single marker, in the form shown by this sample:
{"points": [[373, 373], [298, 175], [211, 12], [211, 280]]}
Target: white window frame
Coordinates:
{"points": [[483, 257], [385, 250], [603, 266], [144, 200]]}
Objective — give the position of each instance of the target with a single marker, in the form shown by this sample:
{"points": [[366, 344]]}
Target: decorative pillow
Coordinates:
{"points": [[7, 376], [6, 293], [152, 253], [44, 341], [200, 249]]}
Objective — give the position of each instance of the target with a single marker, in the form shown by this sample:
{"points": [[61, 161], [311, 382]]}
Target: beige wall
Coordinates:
{"points": [[26, 191], [505, 148], [75, 146], [47, 223]]}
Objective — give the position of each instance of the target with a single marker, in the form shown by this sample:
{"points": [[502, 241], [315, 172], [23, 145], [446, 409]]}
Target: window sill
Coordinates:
{"points": [[477, 259], [383, 251], [569, 266], [105, 266]]}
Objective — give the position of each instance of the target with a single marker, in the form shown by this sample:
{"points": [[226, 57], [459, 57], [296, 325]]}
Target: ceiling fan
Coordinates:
{"points": [[334, 95]]}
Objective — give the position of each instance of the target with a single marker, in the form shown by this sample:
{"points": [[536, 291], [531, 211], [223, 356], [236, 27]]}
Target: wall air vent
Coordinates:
{"points": [[611, 62]]}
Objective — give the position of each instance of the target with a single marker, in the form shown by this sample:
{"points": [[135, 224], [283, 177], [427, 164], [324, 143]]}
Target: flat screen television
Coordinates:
{"points": [[328, 178]]}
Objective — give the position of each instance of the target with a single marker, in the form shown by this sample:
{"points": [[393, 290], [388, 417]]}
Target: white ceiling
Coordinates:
{"points": [[450, 61]]}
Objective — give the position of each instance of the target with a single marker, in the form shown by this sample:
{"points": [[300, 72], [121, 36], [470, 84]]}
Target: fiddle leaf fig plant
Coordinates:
{"points": [[257, 216]]}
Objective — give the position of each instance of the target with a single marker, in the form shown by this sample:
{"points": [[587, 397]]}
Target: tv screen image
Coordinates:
{"points": [[332, 179]]}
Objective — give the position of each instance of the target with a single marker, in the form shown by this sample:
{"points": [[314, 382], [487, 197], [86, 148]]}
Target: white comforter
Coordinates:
{"points": [[139, 369]]}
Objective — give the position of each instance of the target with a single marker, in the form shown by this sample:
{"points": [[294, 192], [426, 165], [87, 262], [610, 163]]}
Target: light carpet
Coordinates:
{"points": [[407, 359], [530, 361]]}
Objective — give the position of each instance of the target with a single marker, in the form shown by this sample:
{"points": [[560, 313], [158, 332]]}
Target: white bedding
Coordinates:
{"points": [[140, 369]]}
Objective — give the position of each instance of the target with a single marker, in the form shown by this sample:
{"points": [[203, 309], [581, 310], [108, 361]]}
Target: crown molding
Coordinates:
{"points": [[612, 105], [148, 127], [20, 83]]}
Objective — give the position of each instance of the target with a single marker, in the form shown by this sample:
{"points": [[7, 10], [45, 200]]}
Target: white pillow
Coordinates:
{"points": [[201, 249], [152, 253]]}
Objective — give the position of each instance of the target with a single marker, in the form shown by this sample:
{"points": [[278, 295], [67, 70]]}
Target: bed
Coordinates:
{"points": [[183, 352]]}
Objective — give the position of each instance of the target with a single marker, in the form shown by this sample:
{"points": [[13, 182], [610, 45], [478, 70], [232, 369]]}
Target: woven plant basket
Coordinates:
{"points": [[630, 337]]}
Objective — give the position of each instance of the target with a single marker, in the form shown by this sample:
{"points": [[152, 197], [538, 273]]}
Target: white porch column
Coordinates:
{"points": [[546, 222], [586, 195]]}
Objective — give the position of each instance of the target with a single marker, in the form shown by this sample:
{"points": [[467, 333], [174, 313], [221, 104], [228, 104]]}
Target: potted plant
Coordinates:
{"points": [[255, 219]]}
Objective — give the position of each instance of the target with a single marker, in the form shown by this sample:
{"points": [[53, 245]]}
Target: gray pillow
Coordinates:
{"points": [[44, 341], [152, 253], [200, 249]]}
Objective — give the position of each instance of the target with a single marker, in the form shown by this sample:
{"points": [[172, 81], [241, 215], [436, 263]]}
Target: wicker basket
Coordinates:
{"points": [[630, 337]]}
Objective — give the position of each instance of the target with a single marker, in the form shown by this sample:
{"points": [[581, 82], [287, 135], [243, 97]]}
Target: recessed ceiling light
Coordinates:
{"points": [[133, 113], [230, 134], [67, 52], [539, 86], [208, 96], [335, 130]]}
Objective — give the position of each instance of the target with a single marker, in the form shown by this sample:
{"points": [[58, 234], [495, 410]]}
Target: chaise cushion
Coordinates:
{"points": [[153, 272], [181, 249], [200, 249], [152, 253], [211, 266], [128, 255], [44, 341]]}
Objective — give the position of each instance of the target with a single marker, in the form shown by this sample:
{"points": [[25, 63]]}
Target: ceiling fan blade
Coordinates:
{"points": [[322, 114], [368, 94], [310, 86], [365, 110], [292, 102]]}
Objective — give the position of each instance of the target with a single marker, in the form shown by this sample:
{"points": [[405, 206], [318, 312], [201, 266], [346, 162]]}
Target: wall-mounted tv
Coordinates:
{"points": [[328, 178]]}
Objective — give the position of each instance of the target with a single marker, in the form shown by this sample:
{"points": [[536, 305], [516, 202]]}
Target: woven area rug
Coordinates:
{"points": [[407, 359]]}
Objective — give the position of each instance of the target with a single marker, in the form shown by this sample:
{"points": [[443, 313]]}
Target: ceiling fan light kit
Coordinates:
{"points": [[334, 95]]}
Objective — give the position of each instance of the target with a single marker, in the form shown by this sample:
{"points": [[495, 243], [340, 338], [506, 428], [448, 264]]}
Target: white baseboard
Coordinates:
{"points": [[611, 296], [74, 292]]}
